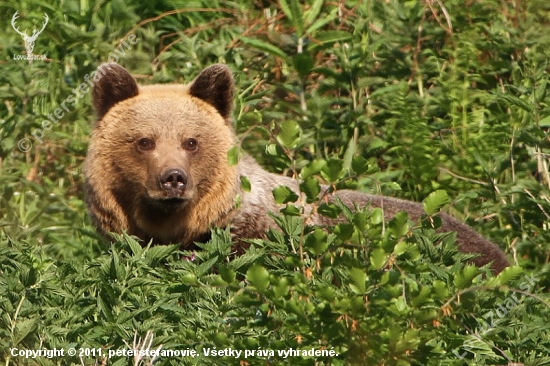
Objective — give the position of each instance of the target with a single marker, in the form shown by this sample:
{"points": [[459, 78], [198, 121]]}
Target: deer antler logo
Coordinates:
{"points": [[29, 40]]}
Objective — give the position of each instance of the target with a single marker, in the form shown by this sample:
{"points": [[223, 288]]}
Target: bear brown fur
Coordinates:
{"points": [[157, 167]]}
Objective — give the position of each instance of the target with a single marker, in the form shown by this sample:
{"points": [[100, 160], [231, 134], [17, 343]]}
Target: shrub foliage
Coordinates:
{"points": [[443, 102]]}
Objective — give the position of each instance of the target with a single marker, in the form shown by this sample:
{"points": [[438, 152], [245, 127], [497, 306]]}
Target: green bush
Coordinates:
{"points": [[399, 98]]}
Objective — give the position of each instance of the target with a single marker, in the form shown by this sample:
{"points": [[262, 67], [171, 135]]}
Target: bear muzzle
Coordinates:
{"points": [[174, 182]]}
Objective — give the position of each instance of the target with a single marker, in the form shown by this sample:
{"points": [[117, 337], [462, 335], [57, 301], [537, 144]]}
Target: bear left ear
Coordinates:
{"points": [[115, 85], [215, 86]]}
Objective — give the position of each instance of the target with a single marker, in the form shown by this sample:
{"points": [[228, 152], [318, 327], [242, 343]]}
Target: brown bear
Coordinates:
{"points": [[157, 167]]}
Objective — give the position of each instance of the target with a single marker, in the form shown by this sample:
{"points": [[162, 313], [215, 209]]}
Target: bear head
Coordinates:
{"points": [[157, 163]]}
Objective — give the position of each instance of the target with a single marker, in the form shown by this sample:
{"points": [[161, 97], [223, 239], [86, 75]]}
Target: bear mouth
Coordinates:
{"points": [[165, 204], [173, 200]]}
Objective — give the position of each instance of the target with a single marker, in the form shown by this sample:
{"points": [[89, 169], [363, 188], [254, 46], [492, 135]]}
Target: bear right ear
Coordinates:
{"points": [[115, 84], [215, 86]]}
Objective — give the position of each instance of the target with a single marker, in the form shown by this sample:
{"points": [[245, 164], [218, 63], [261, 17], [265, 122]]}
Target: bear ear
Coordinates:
{"points": [[215, 86], [115, 85]]}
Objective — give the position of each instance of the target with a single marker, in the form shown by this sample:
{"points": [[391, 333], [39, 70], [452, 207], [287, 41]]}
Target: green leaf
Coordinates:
{"points": [[227, 274], [286, 9], [251, 119], [333, 171], [273, 150], [325, 293], [312, 168], [313, 12], [464, 278], [399, 224], [281, 288], [360, 220], [245, 184], [160, 251], [516, 101], [329, 210], [221, 339], [349, 154], [289, 134], [297, 18], [116, 271], [389, 89], [466, 195], [422, 297], [284, 194], [540, 92], [400, 305], [358, 279], [294, 14], [329, 38], [291, 210], [142, 282], [295, 307], [317, 242], [263, 46], [234, 155], [401, 248], [377, 216], [344, 231], [435, 201], [135, 247], [441, 289], [258, 277], [378, 258], [545, 122], [410, 341], [321, 22], [507, 275], [311, 187], [23, 328], [303, 63], [359, 165]]}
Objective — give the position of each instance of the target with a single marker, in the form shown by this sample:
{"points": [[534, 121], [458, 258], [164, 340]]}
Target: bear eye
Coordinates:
{"points": [[146, 144], [191, 144]]}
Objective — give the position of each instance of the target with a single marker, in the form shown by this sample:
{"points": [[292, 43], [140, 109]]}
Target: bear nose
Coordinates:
{"points": [[174, 181]]}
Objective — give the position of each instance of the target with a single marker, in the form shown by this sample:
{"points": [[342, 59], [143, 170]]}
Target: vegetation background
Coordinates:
{"points": [[436, 100]]}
